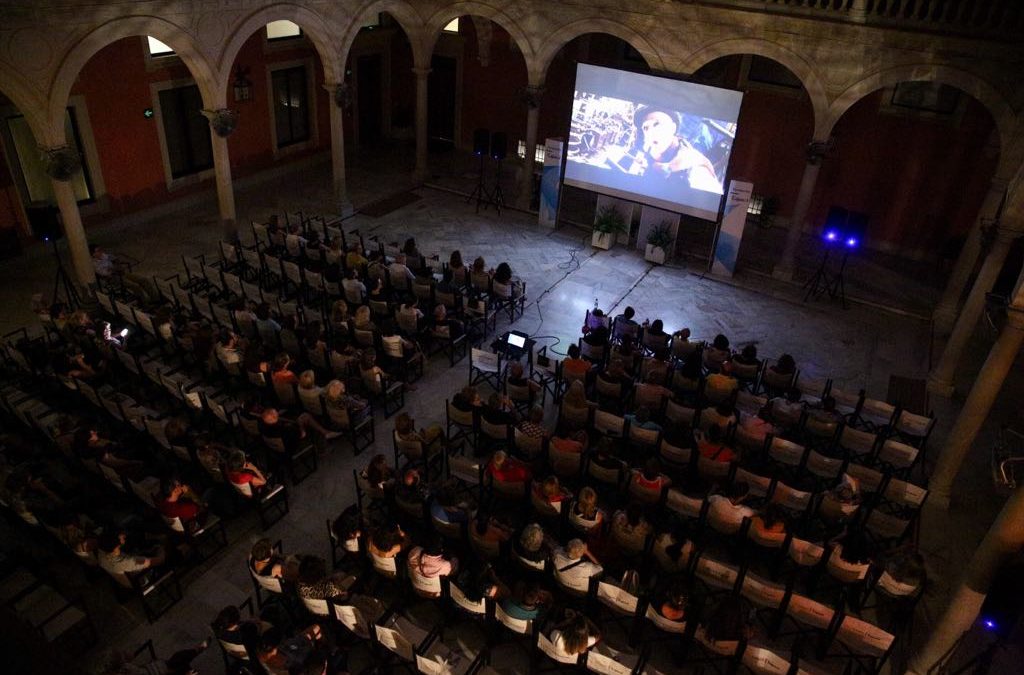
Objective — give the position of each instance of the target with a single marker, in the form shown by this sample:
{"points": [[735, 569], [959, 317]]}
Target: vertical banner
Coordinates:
{"points": [[730, 233], [550, 182]]}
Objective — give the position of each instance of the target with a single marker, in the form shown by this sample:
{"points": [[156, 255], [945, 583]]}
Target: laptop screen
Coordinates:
{"points": [[516, 340]]}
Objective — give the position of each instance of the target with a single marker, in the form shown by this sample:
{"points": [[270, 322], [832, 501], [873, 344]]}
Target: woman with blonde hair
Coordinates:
{"points": [[307, 381], [585, 515], [363, 318]]}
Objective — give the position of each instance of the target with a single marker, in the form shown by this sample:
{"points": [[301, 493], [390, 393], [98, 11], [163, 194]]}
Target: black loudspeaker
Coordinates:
{"points": [[856, 224], [499, 145], [481, 141], [43, 220], [1002, 607]]}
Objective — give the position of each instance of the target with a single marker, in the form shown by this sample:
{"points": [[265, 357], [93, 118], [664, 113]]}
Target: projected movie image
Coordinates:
{"points": [[667, 154]]}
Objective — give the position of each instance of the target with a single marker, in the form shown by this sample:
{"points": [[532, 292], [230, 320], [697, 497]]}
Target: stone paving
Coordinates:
{"points": [[859, 347]]}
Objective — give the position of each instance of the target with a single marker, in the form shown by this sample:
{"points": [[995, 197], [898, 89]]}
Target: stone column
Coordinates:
{"points": [[531, 97], [945, 312], [342, 101], [786, 266], [977, 406], [1004, 538], [940, 381], [422, 75], [222, 123], [62, 163]]}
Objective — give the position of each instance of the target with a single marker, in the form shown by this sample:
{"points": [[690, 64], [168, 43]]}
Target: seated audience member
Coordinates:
{"points": [[429, 560], [517, 378], [116, 562], [756, 427], [575, 407], [576, 635], [507, 469], [574, 564], [784, 366], [489, 529], [650, 480], [264, 562], [409, 248], [641, 419], [379, 473], [527, 602], [229, 627], [722, 415], [682, 348], [347, 528], [903, 572], [240, 471], [672, 551], [573, 444], [354, 259], [468, 399], [503, 275], [597, 338], [717, 353], [412, 489], [585, 514], [630, 528], [337, 396], [265, 325], [551, 491], [432, 437], [180, 501], [673, 603], [770, 523], [615, 373], [228, 349], [315, 584], [443, 327], [686, 379], [651, 394], [533, 426], [459, 272], [499, 410], [719, 387], [624, 326], [446, 507], [272, 425], [401, 276], [574, 367], [825, 414], [728, 507], [363, 319], [388, 540], [747, 357], [280, 655], [727, 622], [786, 411], [839, 504], [532, 543], [711, 446]]}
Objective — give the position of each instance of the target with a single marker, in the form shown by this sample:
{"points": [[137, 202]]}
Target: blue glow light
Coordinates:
{"points": [[831, 235], [989, 624], [851, 242]]}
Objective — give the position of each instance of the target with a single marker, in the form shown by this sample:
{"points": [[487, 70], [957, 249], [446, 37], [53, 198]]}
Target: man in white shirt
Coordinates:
{"points": [[399, 271], [118, 564], [354, 288], [575, 565]]}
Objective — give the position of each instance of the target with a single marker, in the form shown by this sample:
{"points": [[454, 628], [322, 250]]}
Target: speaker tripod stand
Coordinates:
{"points": [[826, 281], [498, 197], [480, 191], [61, 280]]}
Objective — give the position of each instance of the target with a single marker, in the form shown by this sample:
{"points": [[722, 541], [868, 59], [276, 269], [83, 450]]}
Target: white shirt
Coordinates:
{"points": [[574, 573], [727, 511]]}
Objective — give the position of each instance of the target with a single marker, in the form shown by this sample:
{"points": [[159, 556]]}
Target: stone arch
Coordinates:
{"points": [[985, 93], [403, 12], [28, 102], [796, 64], [169, 33], [311, 23], [568, 32], [439, 19]]}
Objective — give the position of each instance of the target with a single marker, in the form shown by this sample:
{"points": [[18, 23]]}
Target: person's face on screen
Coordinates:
{"points": [[659, 133]]}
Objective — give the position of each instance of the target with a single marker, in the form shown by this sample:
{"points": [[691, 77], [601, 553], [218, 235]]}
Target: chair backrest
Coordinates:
{"points": [[385, 566], [498, 432], [483, 360], [394, 641], [763, 661], [608, 423], [234, 650], [465, 469], [683, 504], [762, 593], [521, 626], [528, 446], [864, 638], [548, 648], [846, 572], [427, 587], [285, 392], [311, 400], [616, 598], [458, 597], [667, 625], [317, 606]]}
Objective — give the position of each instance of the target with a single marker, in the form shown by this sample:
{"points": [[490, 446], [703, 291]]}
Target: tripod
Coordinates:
{"points": [[480, 191], [498, 197], [825, 281], [61, 280]]}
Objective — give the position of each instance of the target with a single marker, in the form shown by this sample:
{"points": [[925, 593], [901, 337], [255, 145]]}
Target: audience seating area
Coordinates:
{"points": [[642, 504]]}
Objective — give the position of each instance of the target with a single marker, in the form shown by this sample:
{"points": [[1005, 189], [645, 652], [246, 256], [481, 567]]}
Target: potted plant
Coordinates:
{"points": [[659, 240], [608, 223]]}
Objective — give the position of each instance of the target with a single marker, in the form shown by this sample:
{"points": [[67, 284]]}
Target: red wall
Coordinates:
{"points": [[116, 87]]}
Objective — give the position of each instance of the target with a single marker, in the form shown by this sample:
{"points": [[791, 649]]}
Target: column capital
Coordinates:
{"points": [[531, 95], [421, 72], [817, 150], [61, 162], [223, 121]]}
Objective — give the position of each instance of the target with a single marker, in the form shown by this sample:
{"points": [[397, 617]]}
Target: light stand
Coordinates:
{"points": [[61, 280], [497, 197], [480, 191], [825, 280]]}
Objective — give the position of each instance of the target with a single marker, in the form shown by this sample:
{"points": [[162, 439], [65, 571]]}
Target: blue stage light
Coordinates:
{"points": [[851, 242], [831, 235]]}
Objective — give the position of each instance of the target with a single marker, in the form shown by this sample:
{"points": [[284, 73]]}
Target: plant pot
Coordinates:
{"points": [[602, 240], [654, 254]]}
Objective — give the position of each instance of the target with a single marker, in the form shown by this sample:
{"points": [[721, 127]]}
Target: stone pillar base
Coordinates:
{"points": [[940, 387]]}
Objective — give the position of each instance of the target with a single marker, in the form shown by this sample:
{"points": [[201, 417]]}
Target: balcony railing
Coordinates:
{"points": [[981, 18]]}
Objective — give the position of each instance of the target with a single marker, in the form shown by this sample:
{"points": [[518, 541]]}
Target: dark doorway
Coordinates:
{"points": [[441, 102], [371, 106]]}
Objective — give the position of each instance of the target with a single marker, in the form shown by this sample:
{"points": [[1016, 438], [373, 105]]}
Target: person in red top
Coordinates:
{"points": [[573, 365], [180, 501], [507, 469], [712, 447], [282, 374], [243, 472]]}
